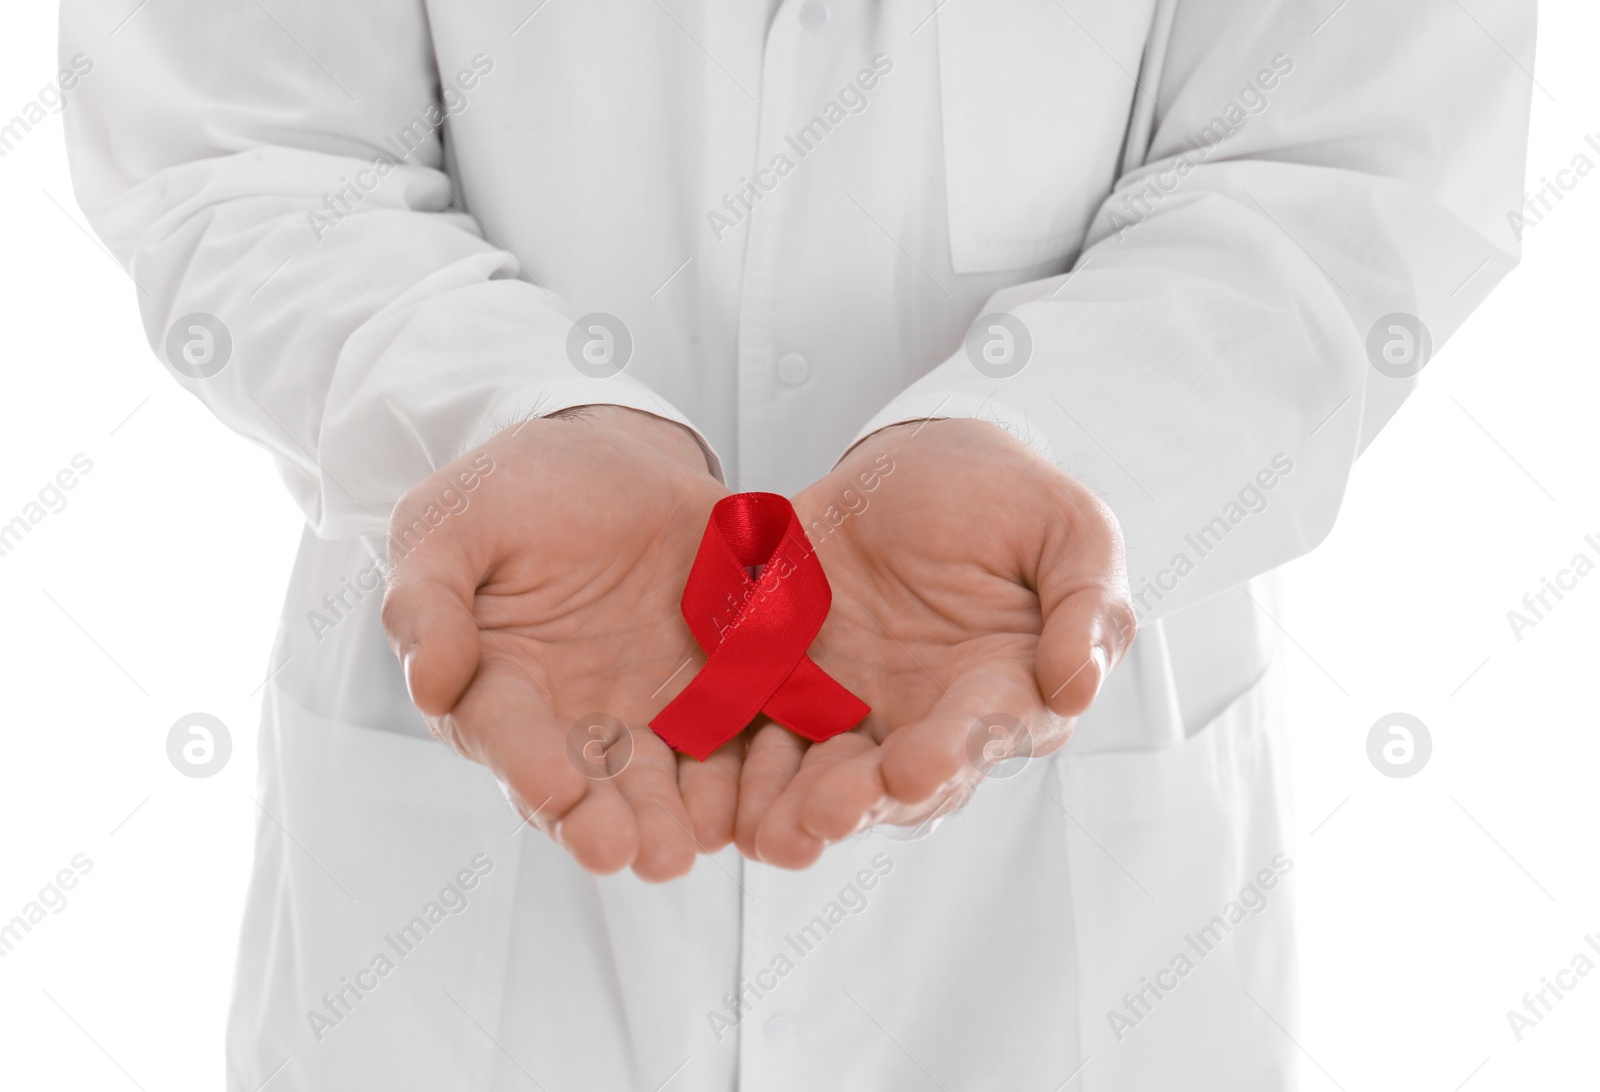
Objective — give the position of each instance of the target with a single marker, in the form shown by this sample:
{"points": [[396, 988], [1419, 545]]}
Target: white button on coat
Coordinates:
{"points": [[793, 369]]}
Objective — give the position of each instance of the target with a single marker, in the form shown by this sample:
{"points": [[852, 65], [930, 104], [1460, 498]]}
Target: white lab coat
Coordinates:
{"points": [[1197, 210]]}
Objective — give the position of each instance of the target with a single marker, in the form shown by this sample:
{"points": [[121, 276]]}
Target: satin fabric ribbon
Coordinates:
{"points": [[755, 632]]}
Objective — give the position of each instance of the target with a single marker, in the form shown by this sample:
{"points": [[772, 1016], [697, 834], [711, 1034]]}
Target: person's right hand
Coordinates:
{"points": [[551, 596]]}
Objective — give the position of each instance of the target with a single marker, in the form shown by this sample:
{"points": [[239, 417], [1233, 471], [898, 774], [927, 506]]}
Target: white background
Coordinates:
{"points": [[1429, 905]]}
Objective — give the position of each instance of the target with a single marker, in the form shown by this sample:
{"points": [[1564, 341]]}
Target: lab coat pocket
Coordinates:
{"points": [[1036, 97], [1181, 883], [380, 901]]}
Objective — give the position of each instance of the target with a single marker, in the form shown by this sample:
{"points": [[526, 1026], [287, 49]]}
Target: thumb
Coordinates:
{"points": [[427, 614], [1085, 635], [1089, 621], [436, 638]]}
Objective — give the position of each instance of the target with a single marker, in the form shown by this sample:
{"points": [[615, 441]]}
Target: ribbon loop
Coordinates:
{"points": [[755, 631]]}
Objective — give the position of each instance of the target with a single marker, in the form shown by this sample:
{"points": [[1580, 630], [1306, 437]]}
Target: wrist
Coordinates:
{"points": [[890, 433], [672, 440]]}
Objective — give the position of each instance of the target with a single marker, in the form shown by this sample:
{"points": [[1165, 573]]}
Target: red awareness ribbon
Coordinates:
{"points": [[756, 632]]}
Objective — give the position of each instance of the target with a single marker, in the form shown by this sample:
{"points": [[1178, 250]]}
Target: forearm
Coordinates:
{"points": [[1205, 368], [376, 332]]}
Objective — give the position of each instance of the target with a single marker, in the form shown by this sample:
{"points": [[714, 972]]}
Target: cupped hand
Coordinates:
{"points": [[547, 592], [972, 582]]}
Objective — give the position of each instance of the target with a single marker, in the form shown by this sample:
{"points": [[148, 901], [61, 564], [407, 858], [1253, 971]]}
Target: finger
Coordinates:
{"points": [[710, 791], [935, 754], [601, 831], [927, 756], [1082, 582], [781, 839], [650, 786], [773, 758], [432, 631], [504, 723], [427, 609], [1084, 635], [851, 797], [847, 797]]}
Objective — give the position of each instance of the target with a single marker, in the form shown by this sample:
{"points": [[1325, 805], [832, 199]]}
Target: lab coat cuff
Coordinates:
{"points": [[922, 405], [540, 400]]}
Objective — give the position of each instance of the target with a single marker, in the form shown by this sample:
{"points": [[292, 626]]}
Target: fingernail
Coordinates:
{"points": [[407, 658], [1102, 660]]}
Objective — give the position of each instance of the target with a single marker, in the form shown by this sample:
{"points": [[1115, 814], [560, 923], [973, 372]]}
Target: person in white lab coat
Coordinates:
{"points": [[1158, 269]]}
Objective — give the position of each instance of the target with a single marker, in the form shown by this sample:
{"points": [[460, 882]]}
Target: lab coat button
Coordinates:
{"points": [[793, 369], [779, 1028], [814, 16]]}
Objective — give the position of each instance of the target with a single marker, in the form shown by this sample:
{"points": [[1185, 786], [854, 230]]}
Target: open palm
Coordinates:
{"points": [[552, 596], [974, 586]]}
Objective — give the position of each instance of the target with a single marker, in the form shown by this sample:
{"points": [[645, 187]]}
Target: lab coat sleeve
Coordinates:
{"points": [[250, 162], [1205, 365]]}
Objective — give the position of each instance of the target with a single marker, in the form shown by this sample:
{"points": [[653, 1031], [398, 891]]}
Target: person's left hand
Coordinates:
{"points": [[972, 580]]}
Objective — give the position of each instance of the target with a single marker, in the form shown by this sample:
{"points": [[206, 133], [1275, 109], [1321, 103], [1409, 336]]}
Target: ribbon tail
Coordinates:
{"points": [[702, 718], [813, 704]]}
